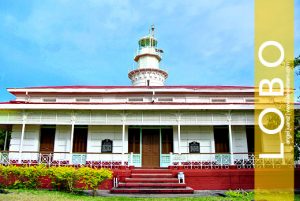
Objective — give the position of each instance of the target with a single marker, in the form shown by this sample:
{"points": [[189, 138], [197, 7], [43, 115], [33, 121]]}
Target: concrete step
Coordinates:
{"points": [[151, 180], [186, 190], [142, 171], [154, 175], [151, 185]]}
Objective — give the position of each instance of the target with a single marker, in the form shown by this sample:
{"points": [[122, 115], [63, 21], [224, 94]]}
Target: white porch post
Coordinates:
{"points": [[179, 143], [178, 132], [230, 139], [5, 140], [22, 139], [71, 142], [123, 142]]}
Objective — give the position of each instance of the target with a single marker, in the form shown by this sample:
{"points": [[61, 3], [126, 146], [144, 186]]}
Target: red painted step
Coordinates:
{"points": [[152, 185], [141, 171], [159, 175], [152, 180], [186, 190]]}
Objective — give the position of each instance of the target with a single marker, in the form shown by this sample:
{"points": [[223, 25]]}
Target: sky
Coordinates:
{"points": [[93, 42]]}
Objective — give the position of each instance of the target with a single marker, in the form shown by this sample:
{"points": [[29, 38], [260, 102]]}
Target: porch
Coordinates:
{"points": [[148, 139], [138, 146], [116, 161]]}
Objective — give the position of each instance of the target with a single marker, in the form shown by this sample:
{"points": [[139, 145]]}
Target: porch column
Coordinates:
{"points": [[178, 132], [5, 140], [123, 143], [230, 139], [71, 142], [21, 142]]}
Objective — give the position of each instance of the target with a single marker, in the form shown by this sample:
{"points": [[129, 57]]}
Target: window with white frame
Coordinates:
{"points": [[135, 99], [82, 100], [49, 100], [218, 100], [165, 99]]}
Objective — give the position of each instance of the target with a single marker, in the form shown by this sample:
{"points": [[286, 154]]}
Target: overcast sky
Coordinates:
{"points": [[92, 42]]}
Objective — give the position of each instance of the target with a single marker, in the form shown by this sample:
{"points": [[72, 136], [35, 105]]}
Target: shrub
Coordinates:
{"points": [[22, 176], [92, 178], [62, 178], [238, 193]]}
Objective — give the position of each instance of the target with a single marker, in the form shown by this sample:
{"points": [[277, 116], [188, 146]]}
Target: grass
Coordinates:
{"points": [[46, 195]]}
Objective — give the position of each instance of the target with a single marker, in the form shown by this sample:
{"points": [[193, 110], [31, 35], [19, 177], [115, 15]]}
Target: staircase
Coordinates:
{"points": [[152, 181]]}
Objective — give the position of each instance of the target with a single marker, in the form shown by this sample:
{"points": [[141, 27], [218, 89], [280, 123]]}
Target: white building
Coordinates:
{"points": [[147, 124]]}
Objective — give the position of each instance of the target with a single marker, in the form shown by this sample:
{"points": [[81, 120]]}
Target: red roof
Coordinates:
{"points": [[150, 87]]}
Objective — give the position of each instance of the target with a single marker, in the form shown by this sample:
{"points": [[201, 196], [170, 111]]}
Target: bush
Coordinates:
{"points": [[92, 178], [22, 176], [62, 178], [238, 193]]}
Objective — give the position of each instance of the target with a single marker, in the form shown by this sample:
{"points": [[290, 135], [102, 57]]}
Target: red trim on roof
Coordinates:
{"points": [[135, 93], [127, 103], [142, 87], [6, 102], [124, 103]]}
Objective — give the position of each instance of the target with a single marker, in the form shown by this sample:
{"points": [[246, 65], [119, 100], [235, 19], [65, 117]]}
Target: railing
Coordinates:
{"points": [[135, 160], [117, 160], [165, 160], [224, 161], [148, 50], [99, 160]]}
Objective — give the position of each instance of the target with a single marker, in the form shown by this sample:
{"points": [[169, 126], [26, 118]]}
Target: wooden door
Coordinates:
{"points": [[134, 140], [166, 140], [150, 148], [47, 139], [80, 139], [221, 139]]}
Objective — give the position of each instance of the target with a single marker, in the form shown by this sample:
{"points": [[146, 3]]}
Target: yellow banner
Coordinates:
{"points": [[274, 100]]}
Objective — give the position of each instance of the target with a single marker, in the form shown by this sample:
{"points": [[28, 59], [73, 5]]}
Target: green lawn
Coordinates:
{"points": [[45, 195]]}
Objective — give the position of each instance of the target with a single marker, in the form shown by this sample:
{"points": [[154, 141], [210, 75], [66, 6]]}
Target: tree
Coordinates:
{"points": [[297, 61]]}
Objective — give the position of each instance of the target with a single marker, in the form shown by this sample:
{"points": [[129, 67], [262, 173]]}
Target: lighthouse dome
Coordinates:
{"points": [[148, 57], [147, 41]]}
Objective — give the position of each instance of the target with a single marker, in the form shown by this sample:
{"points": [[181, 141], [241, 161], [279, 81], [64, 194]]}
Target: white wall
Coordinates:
{"points": [[205, 136], [31, 138], [98, 133], [239, 139], [62, 141], [30, 142], [202, 134], [148, 62], [62, 138]]}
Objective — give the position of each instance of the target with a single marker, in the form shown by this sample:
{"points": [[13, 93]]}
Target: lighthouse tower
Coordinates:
{"points": [[148, 57]]}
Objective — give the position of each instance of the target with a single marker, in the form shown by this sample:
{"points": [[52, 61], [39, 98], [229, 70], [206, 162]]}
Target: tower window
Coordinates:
{"points": [[148, 83]]}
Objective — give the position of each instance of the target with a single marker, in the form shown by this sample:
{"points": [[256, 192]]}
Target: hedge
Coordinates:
{"points": [[62, 178]]}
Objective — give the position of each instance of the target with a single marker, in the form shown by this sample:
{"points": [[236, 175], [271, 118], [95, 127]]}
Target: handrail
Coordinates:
{"points": [[204, 153], [47, 152]]}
